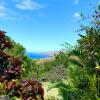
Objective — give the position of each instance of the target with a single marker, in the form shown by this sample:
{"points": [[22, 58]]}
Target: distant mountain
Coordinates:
{"points": [[51, 53]]}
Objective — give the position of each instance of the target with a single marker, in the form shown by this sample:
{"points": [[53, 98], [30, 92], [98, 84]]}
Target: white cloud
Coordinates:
{"points": [[29, 5], [77, 15], [6, 13], [76, 2], [2, 11]]}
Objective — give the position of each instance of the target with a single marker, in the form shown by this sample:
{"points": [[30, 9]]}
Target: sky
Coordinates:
{"points": [[43, 25]]}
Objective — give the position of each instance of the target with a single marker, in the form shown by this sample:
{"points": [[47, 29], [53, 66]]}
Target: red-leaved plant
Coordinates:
{"points": [[10, 75]]}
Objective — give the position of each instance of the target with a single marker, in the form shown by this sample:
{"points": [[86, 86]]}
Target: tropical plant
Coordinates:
{"points": [[83, 65], [11, 81]]}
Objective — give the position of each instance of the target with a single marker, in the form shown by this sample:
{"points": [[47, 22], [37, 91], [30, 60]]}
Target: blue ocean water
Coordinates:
{"points": [[36, 55]]}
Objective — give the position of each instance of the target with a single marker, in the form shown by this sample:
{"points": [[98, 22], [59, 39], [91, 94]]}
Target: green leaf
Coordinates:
{"points": [[99, 7]]}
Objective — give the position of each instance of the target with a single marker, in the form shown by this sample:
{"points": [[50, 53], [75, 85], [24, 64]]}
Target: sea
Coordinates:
{"points": [[36, 55]]}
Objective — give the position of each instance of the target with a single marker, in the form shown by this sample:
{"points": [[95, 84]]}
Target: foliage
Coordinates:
{"points": [[25, 89], [28, 64], [83, 83], [83, 65], [11, 81], [50, 98], [54, 69], [56, 73], [63, 89], [80, 66], [29, 68]]}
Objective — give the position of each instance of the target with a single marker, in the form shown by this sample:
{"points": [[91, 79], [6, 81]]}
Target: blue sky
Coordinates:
{"points": [[43, 25]]}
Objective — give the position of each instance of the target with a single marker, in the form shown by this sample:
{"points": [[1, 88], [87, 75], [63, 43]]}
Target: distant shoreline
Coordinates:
{"points": [[42, 55]]}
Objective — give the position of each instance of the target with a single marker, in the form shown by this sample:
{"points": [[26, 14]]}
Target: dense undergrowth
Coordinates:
{"points": [[11, 80], [83, 64], [74, 72]]}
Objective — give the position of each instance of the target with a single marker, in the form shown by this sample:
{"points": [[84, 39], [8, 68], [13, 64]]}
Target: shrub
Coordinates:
{"points": [[10, 75]]}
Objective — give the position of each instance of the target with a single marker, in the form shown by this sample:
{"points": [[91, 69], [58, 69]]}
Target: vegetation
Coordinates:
{"points": [[11, 82], [75, 73], [29, 65], [83, 65]]}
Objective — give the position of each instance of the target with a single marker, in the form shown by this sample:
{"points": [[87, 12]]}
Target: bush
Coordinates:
{"points": [[10, 75]]}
